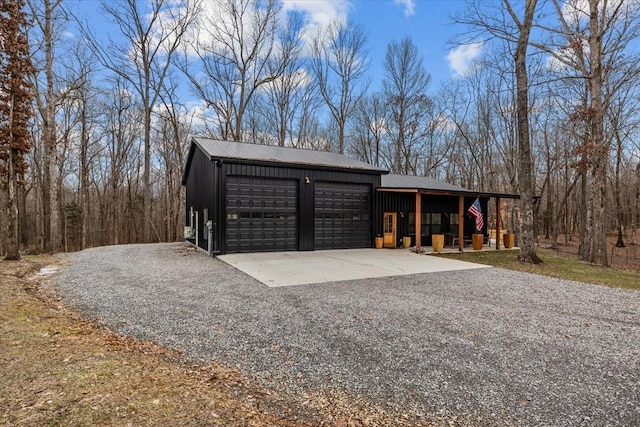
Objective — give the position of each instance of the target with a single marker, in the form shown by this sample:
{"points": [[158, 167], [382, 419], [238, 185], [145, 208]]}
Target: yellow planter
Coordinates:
{"points": [[477, 240], [509, 240], [437, 241], [406, 242], [379, 242]]}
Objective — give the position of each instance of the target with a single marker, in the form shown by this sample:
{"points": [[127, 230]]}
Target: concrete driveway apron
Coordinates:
{"points": [[297, 268]]}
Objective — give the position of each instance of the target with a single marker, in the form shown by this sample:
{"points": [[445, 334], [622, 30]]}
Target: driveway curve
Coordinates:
{"points": [[493, 346]]}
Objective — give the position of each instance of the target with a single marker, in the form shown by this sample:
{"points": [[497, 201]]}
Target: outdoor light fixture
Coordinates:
{"points": [[307, 180]]}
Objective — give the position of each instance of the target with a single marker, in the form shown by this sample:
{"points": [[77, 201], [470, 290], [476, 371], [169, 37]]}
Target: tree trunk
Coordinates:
{"points": [[618, 199], [597, 233], [147, 176], [525, 167], [84, 178], [4, 229], [52, 213], [12, 248], [22, 216]]}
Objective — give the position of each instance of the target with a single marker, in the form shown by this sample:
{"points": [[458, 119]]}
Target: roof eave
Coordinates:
{"points": [[447, 192], [279, 163]]}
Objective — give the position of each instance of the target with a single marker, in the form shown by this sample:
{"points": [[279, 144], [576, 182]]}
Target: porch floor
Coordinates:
{"points": [[454, 250]]}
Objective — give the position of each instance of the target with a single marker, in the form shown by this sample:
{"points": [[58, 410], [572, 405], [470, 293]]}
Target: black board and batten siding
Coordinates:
{"points": [[437, 212], [279, 208], [201, 191]]}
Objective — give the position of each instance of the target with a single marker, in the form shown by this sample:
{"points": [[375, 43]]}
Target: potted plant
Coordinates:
{"points": [[379, 242]]}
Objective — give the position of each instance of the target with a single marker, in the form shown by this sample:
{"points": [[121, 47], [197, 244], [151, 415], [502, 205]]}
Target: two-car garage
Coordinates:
{"points": [[262, 215], [261, 198]]}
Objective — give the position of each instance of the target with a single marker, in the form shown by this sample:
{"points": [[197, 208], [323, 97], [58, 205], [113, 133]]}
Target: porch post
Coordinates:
{"points": [[418, 221], [461, 223], [498, 223]]}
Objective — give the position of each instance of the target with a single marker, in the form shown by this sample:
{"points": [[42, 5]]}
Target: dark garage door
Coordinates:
{"points": [[261, 214], [342, 216]]}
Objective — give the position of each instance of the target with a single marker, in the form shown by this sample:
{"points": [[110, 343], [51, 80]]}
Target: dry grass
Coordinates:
{"points": [[562, 265], [60, 370], [57, 369]]}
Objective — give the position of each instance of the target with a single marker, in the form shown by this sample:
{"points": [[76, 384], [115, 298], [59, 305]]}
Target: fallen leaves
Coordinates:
{"points": [[58, 368]]}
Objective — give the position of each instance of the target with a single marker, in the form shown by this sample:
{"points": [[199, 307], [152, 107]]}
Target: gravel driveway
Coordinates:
{"points": [[491, 345]]}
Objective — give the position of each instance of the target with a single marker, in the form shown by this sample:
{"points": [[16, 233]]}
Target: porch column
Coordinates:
{"points": [[461, 223], [418, 221], [498, 223]]}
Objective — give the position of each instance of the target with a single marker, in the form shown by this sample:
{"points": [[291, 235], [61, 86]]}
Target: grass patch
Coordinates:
{"points": [[556, 265]]}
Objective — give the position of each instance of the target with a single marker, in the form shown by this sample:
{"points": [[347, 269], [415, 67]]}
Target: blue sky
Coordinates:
{"points": [[426, 22]]}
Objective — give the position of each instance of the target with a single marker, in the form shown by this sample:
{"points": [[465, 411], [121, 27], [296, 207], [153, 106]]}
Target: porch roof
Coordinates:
{"points": [[425, 185]]}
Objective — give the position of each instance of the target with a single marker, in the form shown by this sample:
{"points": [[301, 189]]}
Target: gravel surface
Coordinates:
{"points": [[492, 346]]}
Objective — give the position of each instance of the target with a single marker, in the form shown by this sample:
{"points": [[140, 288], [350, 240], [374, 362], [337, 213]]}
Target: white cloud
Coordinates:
{"points": [[319, 13], [409, 6], [577, 12], [461, 58]]}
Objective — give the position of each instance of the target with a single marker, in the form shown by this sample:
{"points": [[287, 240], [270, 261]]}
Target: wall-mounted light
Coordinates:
{"points": [[307, 180]]}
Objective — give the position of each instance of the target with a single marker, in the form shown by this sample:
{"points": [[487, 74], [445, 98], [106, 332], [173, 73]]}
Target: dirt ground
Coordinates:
{"points": [[58, 369]]}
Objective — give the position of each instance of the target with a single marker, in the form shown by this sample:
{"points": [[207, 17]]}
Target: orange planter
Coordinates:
{"points": [[437, 241], [509, 240], [379, 242], [477, 240]]}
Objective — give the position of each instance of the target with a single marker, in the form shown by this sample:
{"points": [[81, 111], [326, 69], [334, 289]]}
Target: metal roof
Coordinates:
{"points": [[394, 182], [229, 150], [418, 182]]}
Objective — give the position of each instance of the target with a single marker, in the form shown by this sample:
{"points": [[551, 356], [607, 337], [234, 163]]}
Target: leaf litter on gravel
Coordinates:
{"points": [[59, 369]]}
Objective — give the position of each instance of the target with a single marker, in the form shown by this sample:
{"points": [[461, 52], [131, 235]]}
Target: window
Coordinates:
{"points": [[388, 223], [430, 223]]}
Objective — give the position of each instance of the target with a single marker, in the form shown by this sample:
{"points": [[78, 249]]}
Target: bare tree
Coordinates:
{"points": [[152, 32], [283, 97], [123, 129], [408, 106], [240, 48], [593, 44], [173, 126], [503, 22], [369, 129], [339, 63], [16, 111], [48, 17], [525, 167]]}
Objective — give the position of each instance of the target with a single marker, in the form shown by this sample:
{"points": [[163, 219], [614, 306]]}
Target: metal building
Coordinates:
{"points": [[253, 198]]}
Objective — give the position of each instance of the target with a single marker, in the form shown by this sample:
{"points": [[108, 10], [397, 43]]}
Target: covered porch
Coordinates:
{"points": [[417, 208]]}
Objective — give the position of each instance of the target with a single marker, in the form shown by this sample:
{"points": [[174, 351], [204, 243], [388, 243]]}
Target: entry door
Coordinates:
{"points": [[389, 223]]}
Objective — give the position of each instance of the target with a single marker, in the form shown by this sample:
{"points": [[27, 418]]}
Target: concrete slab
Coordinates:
{"points": [[297, 268]]}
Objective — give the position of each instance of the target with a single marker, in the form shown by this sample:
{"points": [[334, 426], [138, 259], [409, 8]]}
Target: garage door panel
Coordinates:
{"points": [[342, 218], [261, 214]]}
